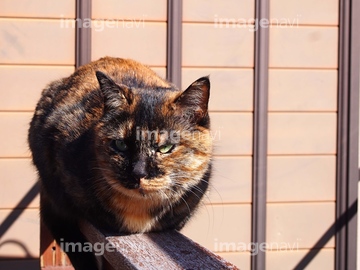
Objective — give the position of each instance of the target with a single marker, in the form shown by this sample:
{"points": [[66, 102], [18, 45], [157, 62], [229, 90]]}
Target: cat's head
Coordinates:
{"points": [[153, 142]]}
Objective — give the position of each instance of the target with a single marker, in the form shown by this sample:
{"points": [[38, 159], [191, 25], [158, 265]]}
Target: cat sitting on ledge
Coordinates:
{"points": [[93, 166]]}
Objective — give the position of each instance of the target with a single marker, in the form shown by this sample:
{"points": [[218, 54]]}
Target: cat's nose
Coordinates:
{"points": [[139, 170]]}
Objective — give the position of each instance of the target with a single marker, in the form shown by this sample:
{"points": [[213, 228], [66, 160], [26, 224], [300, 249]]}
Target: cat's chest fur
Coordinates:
{"points": [[134, 215]]}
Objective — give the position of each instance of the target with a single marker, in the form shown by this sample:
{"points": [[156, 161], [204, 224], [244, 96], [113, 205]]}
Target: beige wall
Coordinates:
{"points": [[302, 131], [36, 48], [302, 125], [227, 55], [138, 31]]}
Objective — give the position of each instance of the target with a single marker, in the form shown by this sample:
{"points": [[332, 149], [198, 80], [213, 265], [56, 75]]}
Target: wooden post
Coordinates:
{"points": [[51, 255]]}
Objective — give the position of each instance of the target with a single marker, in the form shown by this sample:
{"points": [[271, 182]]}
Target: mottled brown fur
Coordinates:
{"points": [[93, 165]]}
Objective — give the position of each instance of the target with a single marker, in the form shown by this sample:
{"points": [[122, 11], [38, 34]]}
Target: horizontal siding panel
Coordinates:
{"points": [[36, 42], [24, 94], [302, 133], [231, 180], [145, 42], [220, 228], [306, 47], [300, 225], [127, 10], [212, 10], [17, 176], [231, 133], [37, 8], [23, 235], [206, 45], [231, 89], [316, 12], [285, 260], [22, 85], [13, 135], [302, 90], [241, 259], [301, 178]]}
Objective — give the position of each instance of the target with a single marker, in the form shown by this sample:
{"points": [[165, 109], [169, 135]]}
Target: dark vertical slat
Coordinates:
{"points": [[352, 233], [341, 185], [348, 128], [83, 34], [174, 42], [354, 103], [260, 134]]}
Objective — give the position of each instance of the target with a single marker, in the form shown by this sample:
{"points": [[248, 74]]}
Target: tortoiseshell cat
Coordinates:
{"points": [[116, 145]]}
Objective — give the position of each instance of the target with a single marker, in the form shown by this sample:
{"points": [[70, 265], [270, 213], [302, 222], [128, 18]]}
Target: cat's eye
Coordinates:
{"points": [[121, 145], [166, 148]]}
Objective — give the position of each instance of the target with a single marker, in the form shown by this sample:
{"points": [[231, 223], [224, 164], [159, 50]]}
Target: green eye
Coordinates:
{"points": [[121, 145], [166, 148]]}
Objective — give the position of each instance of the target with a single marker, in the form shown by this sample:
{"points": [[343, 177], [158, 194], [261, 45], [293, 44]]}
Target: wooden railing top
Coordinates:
{"points": [[169, 250]]}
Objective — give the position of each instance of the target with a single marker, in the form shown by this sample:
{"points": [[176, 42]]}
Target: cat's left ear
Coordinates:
{"points": [[115, 96], [193, 102]]}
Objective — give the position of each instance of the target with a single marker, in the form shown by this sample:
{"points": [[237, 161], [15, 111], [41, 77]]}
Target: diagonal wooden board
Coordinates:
{"points": [[162, 250]]}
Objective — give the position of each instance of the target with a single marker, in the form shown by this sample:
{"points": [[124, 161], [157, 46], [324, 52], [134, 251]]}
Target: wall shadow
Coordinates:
{"points": [[334, 228], [14, 215]]}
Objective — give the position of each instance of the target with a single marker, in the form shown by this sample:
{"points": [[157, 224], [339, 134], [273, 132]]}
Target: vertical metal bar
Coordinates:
{"points": [[260, 133], [341, 174], [353, 177], [174, 41], [348, 128], [354, 131], [83, 32]]}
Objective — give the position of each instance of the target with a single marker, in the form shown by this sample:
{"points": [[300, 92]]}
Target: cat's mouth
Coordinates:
{"points": [[143, 187], [150, 186]]}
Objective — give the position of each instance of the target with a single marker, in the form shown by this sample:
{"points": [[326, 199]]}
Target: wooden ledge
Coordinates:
{"points": [[163, 250]]}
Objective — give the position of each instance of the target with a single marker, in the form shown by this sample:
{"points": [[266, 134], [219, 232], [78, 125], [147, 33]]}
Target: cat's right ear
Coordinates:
{"points": [[115, 96], [193, 102]]}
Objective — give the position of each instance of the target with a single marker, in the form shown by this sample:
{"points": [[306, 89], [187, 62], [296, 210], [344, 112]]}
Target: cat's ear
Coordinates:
{"points": [[193, 102], [116, 96]]}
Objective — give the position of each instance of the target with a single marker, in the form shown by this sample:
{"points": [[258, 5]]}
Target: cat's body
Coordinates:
{"points": [[116, 145]]}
